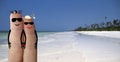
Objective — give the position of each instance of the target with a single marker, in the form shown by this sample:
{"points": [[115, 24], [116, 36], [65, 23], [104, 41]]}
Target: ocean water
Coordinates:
{"points": [[3, 45], [70, 47]]}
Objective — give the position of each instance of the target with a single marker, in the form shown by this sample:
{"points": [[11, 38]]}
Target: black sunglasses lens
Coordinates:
{"points": [[25, 23], [14, 19], [31, 23], [19, 19]]}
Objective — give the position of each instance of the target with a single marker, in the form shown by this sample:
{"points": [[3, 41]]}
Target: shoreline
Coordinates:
{"points": [[112, 34]]}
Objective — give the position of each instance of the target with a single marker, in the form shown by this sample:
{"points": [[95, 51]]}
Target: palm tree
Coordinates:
{"points": [[102, 25], [106, 18], [119, 23], [93, 26], [116, 22], [108, 24]]}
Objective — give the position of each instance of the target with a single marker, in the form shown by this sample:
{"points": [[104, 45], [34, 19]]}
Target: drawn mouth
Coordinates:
{"points": [[17, 24], [29, 27]]}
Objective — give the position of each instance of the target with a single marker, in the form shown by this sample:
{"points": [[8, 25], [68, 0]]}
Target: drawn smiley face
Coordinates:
{"points": [[29, 24], [16, 21]]}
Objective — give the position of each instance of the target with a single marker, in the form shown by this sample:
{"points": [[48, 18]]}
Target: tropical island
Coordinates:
{"points": [[104, 26]]}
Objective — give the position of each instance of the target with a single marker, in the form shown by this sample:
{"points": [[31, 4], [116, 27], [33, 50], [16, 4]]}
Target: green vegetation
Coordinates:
{"points": [[104, 26]]}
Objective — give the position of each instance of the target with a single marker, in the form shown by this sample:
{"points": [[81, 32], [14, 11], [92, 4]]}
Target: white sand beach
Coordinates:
{"points": [[80, 46], [112, 34]]}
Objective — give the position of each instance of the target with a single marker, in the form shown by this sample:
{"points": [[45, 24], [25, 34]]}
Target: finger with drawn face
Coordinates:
{"points": [[15, 52], [30, 51]]}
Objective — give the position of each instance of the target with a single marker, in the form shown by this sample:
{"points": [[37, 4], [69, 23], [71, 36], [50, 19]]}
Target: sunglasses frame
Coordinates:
{"points": [[26, 23], [18, 19]]}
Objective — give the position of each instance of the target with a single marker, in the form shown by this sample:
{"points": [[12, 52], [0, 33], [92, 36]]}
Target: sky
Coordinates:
{"points": [[60, 15]]}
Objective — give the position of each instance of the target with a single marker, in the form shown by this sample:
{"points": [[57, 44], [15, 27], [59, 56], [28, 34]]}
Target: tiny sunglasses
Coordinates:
{"points": [[18, 19], [31, 23]]}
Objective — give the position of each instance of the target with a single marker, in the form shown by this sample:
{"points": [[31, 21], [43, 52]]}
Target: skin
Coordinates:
{"points": [[15, 52], [30, 51]]}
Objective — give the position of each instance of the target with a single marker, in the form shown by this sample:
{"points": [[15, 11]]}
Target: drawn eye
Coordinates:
{"points": [[31, 23], [19, 19], [13, 19], [25, 23]]}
